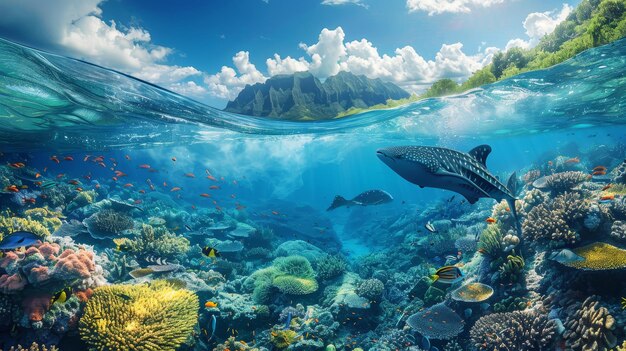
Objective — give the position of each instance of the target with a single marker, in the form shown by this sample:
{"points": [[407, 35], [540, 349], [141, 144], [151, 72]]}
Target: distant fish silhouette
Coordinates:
{"points": [[367, 198]]}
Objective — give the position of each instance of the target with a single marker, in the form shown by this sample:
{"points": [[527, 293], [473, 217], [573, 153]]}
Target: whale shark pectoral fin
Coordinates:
{"points": [[480, 153], [462, 185]]}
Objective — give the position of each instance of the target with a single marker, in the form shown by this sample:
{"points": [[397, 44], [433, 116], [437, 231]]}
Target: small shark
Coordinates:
{"points": [[438, 167]]}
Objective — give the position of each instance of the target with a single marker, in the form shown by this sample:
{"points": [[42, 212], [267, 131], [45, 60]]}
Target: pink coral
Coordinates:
{"points": [[9, 258], [10, 284], [36, 305], [39, 274], [49, 250], [75, 264]]}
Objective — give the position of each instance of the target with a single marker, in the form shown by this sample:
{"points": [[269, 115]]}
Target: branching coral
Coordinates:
{"points": [[618, 231], [554, 222], [40, 221], [139, 317], [560, 182], [33, 347], [520, 331], [158, 241], [371, 289], [283, 338], [108, 224], [589, 327]]}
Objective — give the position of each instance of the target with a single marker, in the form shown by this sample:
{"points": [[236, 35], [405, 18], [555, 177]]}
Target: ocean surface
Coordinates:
{"points": [[72, 122]]}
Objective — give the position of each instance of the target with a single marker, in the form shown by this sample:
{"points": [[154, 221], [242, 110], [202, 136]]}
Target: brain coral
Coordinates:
{"points": [[158, 317], [519, 330]]}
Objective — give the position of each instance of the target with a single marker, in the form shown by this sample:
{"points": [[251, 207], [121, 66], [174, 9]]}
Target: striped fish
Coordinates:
{"points": [[448, 275], [156, 260]]}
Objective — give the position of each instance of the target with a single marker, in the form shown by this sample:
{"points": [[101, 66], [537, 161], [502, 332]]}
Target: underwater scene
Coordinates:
{"points": [[486, 216]]}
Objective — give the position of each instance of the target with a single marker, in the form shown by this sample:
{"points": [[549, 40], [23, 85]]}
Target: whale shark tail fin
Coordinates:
{"points": [[338, 202]]}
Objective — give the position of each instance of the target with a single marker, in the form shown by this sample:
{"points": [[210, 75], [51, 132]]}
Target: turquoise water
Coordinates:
{"points": [[280, 177]]}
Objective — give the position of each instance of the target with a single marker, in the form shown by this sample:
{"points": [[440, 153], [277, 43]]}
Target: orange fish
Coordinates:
{"points": [[176, 188], [127, 157], [193, 207], [73, 182], [595, 173], [190, 175], [88, 176], [211, 178], [98, 159], [174, 159], [114, 178], [37, 175], [128, 185], [213, 187], [205, 195], [599, 168], [60, 175], [607, 197], [142, 191], [165, 184], [101, 164], [573, 160], [79, 189], [68, 158], [12, 188], [607, 187], [29, 200], [144, 166], [120, 174], [38, 183], [55, 159], [490, 220], [97, 185], [86, 158]]}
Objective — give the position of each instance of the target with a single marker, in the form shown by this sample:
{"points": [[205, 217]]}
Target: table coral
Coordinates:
{"points": [[472, 292], [157, 317], [599, 256], [437, 322]]}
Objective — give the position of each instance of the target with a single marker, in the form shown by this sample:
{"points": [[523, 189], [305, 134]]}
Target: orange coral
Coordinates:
{"points": [[84, 295], [36, 305], [74, 263]]}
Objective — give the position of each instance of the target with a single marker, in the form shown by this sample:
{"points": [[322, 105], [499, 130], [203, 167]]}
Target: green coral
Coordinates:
{"points": [[39, 221], [490, 243], [291, 275], [330, 266], [510, 304], [434, 296], [292, 285], [297, 266], [155, 317], [283, 338], [370, 288], [158, 241], [512, 270], [83, 198]]}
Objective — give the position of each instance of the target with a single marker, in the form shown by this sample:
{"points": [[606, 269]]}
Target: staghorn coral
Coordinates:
{"points": [[139, 317], [40, 221], [108, 224], [437, 322], [519, 330], [554, 222], [330, 266], [371, 289], [589, 326]]}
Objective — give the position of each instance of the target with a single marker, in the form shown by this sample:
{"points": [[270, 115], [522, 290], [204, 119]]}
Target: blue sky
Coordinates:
{"points": [[183, 46]]}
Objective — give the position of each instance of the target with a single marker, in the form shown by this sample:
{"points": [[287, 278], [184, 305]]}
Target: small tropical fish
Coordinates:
{"points": [[210, 304], [128, 185], [121, 245], [608, 197], [275, 213], [79, 189], [18, 239], [288, 321], [599, 168], [141, 191], [205, 195], [127, 157], [190, 175], [214, 187], [210, 252], [430, 227], [573, 160], [490, 220], [120, 174], [30, 200], [68, 158], [137, 202], [12, 188], [101, 164], [213, 326], [448, 275], [596, 173], [48, 184], [55, 159], [211, 178], [98, 159], [232, 196], [176, 188], [607, 187], [86, 158], [73, 182], [144, 166], [17, 165], [37, 175], [61, 296], [174, 159]]}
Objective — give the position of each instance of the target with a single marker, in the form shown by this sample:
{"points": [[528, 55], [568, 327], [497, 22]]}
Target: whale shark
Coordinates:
{"points": [[443, 168]]}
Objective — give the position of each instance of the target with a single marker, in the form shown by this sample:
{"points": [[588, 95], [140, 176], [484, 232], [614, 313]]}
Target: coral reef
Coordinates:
{"points": [[589, 326], [139, 317], [437, 322], [371, 289], [33, 347], [599, 256], [330, 266], [108, 224], [523, 331]]}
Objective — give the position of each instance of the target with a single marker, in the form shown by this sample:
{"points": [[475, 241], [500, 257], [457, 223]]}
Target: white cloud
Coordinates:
{"points": [[435, 7], [345, 2], [325, 54], [538, 24], [287, 65], [76, 29], [189, 88], [227, 83]]}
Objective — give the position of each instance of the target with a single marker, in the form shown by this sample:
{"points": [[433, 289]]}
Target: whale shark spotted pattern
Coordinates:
{"points": [[438, 167]]}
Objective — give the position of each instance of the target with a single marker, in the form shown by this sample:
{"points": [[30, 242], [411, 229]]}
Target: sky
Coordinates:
{"points": [[210, 50]]}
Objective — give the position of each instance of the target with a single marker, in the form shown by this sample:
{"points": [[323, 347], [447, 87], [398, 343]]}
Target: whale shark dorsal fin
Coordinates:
{"points": [[480, 153]]}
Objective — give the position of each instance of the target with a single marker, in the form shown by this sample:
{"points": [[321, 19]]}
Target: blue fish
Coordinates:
{"points": [[213, 325], [19, 239], [288, 321]]}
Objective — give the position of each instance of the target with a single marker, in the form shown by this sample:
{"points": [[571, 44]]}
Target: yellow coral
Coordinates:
{"points": [[599, 256], [139, 317], [283, 338], [472, 292]]}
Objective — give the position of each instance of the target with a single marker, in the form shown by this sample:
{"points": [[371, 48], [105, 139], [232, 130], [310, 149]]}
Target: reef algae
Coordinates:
{"points": [[139, 317]]}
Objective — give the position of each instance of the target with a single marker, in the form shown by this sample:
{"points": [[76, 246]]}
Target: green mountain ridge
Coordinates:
{"points": [[301, 96]]}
